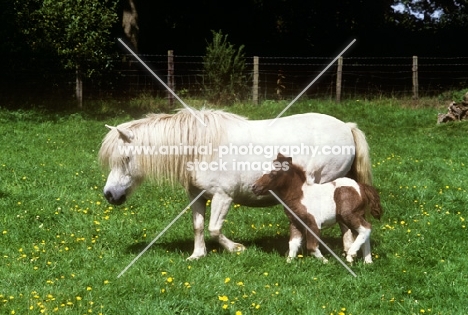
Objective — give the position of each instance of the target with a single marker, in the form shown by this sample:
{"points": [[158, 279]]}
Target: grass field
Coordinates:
{"points": [[62, 245]]}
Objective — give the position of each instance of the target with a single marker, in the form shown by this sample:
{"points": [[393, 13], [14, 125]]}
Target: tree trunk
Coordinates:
{"points": [[79, 87], [130, 22]]}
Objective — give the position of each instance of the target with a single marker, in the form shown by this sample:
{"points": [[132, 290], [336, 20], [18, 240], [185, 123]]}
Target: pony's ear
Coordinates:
{"points": [[289, 160], [109, 127], [125, 134]]}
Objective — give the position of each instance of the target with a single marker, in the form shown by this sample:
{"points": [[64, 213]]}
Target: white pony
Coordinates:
{"points": [[224, 156]]}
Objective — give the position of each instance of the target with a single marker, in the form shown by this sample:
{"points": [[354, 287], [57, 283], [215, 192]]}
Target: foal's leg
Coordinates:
{"points": [[295, 240], [312, 243], [348, 237], [366, 251], [362, 239], [220, 204]]}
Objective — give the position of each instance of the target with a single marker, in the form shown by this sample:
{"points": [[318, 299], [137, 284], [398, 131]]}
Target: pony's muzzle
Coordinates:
{"points": [[115, 199]]}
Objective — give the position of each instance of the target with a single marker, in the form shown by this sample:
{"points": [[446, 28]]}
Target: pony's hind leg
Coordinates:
{"points": [[348, 237], [220, 204]]}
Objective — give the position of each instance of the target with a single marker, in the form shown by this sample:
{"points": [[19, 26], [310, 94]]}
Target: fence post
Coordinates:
{"points": [[255, 80], [79, 86], [339, 73], [415, 78], [170, 76]]}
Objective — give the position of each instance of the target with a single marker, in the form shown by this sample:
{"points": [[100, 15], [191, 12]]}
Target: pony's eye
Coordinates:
{"points": [[273, 174]]}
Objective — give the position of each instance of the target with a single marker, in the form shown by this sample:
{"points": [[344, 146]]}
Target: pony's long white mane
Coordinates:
{"points": [[157, 130]]}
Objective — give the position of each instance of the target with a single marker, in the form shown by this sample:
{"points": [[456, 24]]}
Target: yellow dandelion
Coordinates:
{"points": [[227, 280], [223, 298]]}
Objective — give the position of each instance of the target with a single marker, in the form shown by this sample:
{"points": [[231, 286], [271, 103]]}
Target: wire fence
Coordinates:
{"points": [[278, 78], [285, 77]]}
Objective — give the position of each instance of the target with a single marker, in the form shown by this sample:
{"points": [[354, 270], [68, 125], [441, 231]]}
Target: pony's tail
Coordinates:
{"points": [[373, 200], [361, 170]]}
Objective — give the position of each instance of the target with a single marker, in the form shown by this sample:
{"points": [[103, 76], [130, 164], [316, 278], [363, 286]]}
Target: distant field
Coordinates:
{"points": [[62, 245]]}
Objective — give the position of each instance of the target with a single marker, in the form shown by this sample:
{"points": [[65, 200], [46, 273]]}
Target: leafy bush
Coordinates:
{"points": [[224, 79]]}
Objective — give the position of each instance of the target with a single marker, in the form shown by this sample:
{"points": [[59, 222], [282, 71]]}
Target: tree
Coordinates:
{"points": [[224, 66], [78, 32]]}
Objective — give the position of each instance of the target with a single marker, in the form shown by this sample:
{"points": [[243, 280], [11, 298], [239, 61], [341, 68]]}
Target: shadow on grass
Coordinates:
{"points": [[277, 245]]}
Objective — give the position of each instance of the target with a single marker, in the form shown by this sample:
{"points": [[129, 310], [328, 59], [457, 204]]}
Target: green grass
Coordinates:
{"points": [[62, 246]]}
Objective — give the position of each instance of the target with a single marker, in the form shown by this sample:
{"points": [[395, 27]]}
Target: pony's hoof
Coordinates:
{"points": [[193, 257], [289, 260], [237, 248], [368, 261], [197, 255], [324, 260]]}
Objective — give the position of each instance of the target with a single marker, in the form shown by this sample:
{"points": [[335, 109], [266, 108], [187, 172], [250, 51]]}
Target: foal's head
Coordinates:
{"points": [[285, 175]]}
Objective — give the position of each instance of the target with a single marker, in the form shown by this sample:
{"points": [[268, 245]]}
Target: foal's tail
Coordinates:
{"points": [[373, 200], [361, 169]]}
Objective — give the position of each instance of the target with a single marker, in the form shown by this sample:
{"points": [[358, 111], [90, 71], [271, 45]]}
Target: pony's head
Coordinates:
{"points": [[279, 178], [124, 174]]}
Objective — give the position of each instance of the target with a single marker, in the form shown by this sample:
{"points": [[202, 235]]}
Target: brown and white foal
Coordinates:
{"points": [[322, 205]]}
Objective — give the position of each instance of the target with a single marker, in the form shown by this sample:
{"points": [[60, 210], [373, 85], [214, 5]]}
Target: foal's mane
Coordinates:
{"points": [[292, 168], [181, 128], [298, 170]]}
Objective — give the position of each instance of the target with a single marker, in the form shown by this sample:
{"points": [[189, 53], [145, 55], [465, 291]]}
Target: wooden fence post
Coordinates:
{"points": [[339, 73], [170, 76], [255, 80], [415, 78], [79, 86]]}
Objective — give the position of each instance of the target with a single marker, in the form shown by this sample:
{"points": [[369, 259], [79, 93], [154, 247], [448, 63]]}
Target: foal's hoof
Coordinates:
{"points": [[324, 260], [349, 259], [368, 260]]}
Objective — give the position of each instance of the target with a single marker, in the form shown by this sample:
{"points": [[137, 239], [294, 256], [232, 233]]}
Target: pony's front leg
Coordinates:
{"points": [[362, 238], [295, 241], [198, 216], [220, 204]]}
